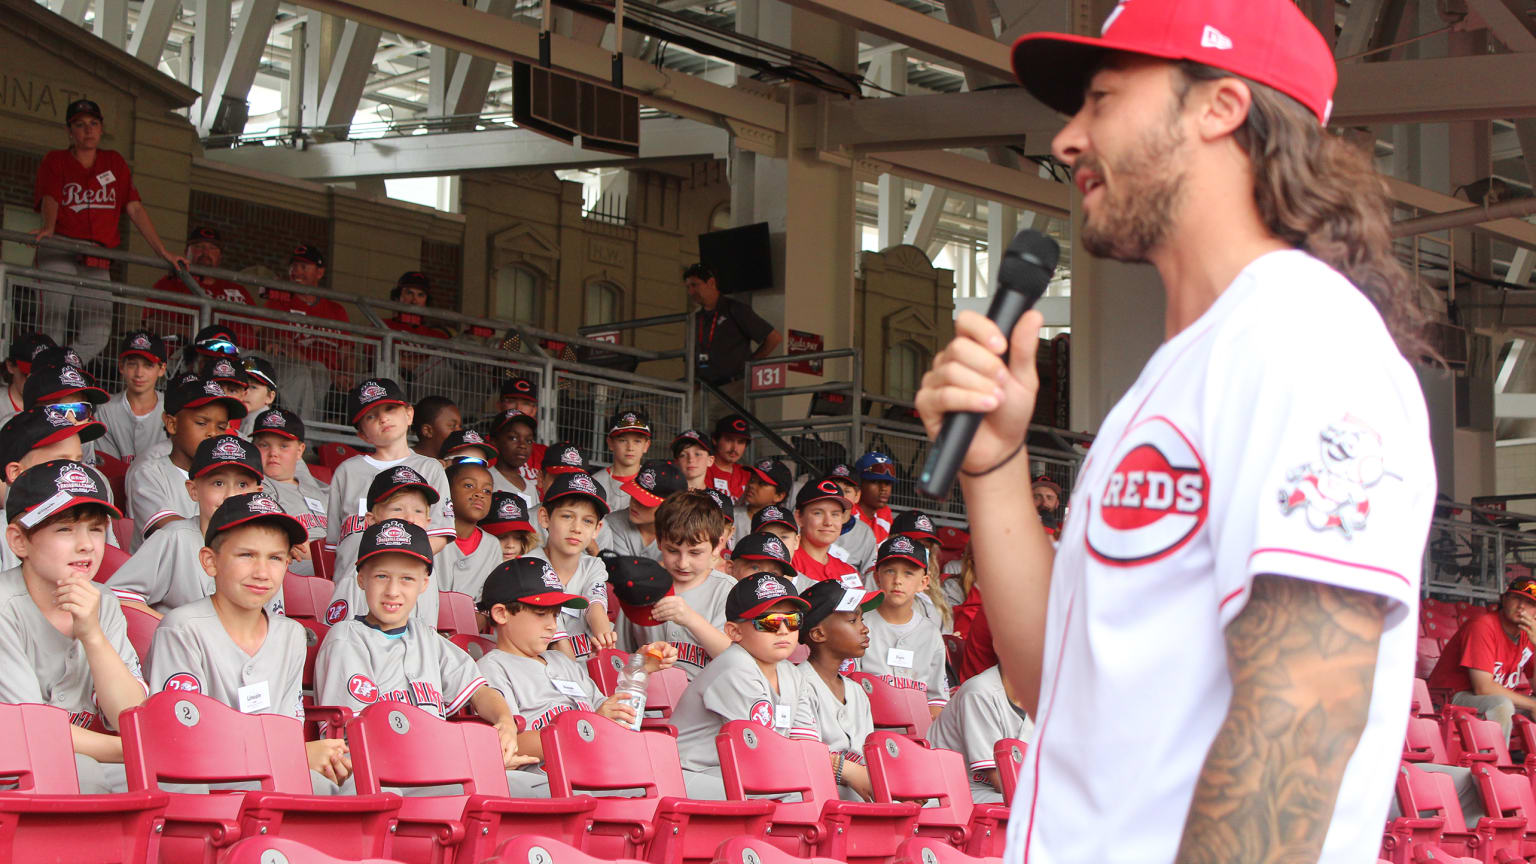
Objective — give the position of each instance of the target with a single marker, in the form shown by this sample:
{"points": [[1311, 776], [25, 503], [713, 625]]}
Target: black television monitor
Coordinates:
{"points": [[741, 258]]}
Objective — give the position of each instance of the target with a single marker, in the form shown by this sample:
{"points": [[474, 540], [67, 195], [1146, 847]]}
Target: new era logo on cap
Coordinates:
{"points": [[392, 533], [769, 588], [1213, 38]]}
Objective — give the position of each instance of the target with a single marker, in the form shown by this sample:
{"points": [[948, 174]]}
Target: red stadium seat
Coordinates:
{"points": [[398, 745], [46, 818], [306, 597], [759, 761], [475, 646], [141, 630], [115, 471], [1423, 742], [1009, 755], [587, 752], [743, 849], [1433, 821], [1524, 731], [662, 693], [900, 769], [1422, 705], [314, 634], [111, 559], [325, 721], [901, 709], [276, 850], [953, 647], [605, 667], [1508, 798], [1429, 655], [926, 850], [456, 614], [533, 849], [322, 473], [176, 737], [333, 453], [323, 559], [1482, 741], [122, 532]]}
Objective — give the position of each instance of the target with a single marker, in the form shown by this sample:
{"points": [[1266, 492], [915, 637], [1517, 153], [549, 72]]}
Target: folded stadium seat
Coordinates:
{"points": [[1423, 705], [1524, 732], [1453, 745], [324, 559], [473, 645], [585, 752], [1433, 821], [111, 559], [900, 769], [927, 850], [662, 693], [953, 538], [901, 709], [604, 667], [533, 849], [141, 630], [1009, 755], [1481, 742], [277, 850], [1508, 797], [324, 721], [46, 818], [314, 634], [398, 745], [1423, 742], [306, 597], [759, 761], [953, 646], [1428, 656], [115, 471], [456, 614], [756, 850], [122, 532], [176, 737], [333, 453]]}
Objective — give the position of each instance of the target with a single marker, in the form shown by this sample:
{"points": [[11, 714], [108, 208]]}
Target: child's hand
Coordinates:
{"points": [[603, 635], [618, 709], [658, 656], [510, 758], [672, 609], [76, 595], [299, 552], [330, 757]]}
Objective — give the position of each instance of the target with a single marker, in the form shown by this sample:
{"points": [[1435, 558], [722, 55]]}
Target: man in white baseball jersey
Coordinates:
{"points": [[279, 438], [832, 709], [133, 417], [195, 411], [981, 712], [632, 530], [1230, 615], [228, 646]]}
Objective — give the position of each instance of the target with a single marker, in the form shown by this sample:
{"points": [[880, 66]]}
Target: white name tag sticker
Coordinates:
{"points": [[850, 601], [574, 613], [723, 485], [255, 698], [315, 506], [851, 581], [105, 178], [37, 514], [899, 657], [569, 688], [782, 718]]}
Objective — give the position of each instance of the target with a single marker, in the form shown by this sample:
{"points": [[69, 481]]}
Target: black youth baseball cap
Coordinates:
{"points": [[507, 514], [915, 524], [26, 347], [142, 343], [511, 416], [901, 548], [774, 473], [755, 594], [222, 450], [391, 480], [654, 482], [226, 369], [468, 439], [261, 371], [279, 421], [193, 392], [526, 580], [56, 382], [761, 546], [52, 487], [629, 421], [575, 484], [370, 393], [691, 438], [637, 583], [724, 502], [775, 514], [395, 535], [563, 458], [38, 427], [823, 490], [830, 597], [253, 507]]}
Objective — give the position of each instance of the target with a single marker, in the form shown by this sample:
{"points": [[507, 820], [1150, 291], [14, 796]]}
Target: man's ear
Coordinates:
{"points": [[1224, 107]]}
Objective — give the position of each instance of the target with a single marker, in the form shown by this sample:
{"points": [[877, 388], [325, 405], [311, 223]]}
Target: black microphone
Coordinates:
{"points": [[1027, 267]]}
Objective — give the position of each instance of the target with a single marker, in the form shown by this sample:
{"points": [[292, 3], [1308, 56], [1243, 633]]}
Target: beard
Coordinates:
{"points": [[1141, 193]]}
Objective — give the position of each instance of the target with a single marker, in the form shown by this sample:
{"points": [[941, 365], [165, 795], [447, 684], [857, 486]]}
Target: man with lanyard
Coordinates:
{"points": [[1240, 563], [725, 329]]}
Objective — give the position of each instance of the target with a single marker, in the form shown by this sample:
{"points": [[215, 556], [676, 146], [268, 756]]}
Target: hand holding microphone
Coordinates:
{"points": [[978, 399]]}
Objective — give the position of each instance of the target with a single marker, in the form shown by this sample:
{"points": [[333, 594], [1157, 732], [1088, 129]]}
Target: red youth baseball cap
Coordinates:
{"points": [[1268, 41]]}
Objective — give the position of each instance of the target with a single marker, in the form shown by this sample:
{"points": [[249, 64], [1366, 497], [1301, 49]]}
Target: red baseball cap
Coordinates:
{"points": [[1268, 41]]}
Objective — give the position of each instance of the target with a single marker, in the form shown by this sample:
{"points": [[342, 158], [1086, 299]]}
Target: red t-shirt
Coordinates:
{"points": [[312, 345], [167, 324], [1480, 644], [732, 481], [469, 544], [878, 522], [90, 199], [413, 324], [834, 570], [978, 655]]}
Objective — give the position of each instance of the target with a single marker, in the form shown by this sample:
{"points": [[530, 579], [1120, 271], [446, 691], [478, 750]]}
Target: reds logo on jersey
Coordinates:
{"points": [[761, 713], [78, 197], [1332, 491], [183, 682], [363, 689], [1154, 500], [336, 612]]}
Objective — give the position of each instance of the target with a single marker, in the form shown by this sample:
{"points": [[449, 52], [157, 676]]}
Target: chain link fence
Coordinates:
{"points": [[586, 400]]}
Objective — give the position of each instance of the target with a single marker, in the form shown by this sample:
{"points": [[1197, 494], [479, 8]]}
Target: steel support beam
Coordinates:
{"points": [[111, 23], [930, 206], [350, 66], [153, 29], [661, 139], [958, 45], [1509, 26], [210, 41], [1517, 231], [1442, 89], [1005, 116], [237, 70], [1361, 23], [982, 179], [74, 11]]}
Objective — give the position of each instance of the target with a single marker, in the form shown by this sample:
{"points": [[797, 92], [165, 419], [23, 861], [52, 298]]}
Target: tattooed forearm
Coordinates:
{"points": [[1303, 658]]}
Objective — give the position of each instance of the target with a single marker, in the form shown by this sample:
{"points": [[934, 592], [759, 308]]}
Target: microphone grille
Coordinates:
{"points": [[1036, 248]]}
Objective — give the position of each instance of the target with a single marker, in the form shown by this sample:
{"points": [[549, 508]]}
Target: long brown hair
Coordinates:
{"points": [[1321, 194]]}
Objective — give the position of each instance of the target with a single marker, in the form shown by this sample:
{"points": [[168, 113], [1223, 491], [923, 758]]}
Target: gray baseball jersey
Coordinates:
{"points": [[349, 601], [39, 664], [591, 582], [347, 499], [193, 653], [128, 434], [741, 525], [620, 535], [907, 655], [618, 499], [304, 501], [359, 665], [973, 721], [842, 725], [156, 489], [8, 407], [731, 688], [540, 688], [456, 570], [706, 598], [166, 574], [857, 547]]}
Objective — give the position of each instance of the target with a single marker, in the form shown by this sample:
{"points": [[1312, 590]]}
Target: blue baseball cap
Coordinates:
{"points": [[875, 465]]}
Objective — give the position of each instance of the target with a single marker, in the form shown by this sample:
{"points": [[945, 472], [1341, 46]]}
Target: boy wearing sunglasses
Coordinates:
{"points": [[279, 437], [132, 417], [750, 680], [473, 553]]}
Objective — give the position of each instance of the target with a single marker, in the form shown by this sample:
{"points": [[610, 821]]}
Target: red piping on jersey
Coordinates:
{"points": [[1034, 797], [1229, 598], [1325, 558], [459, 700]]}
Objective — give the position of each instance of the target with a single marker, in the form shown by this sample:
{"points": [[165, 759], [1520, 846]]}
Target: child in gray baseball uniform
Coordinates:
{"points": [[688, 610], [768, 484], [917, 526], [514, 434], [694, 454], [905, 648], [463, 564], [395, 493], [228, 646], [195, 410], [763, 551], [982, 711], [523, 599], [571, 514], [39, 435], [632, 530], [378, 411], [63, 640], [629, 439], [751, 680], [508, 522], [832, 709], [279, 437], [166, 572], [386, 655], [132, 417], [779, 521]]}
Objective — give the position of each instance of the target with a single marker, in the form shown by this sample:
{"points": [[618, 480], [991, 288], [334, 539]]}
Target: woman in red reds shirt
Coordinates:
{"points": [[80, 192], [1483, 661]]}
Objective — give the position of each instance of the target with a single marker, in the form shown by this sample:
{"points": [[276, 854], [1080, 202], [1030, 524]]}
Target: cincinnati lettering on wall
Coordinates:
{"points": [[34, 97]]}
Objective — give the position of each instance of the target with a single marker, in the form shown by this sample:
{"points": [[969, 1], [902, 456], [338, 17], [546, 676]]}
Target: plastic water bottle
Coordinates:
{"points": [[633, 681]]}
